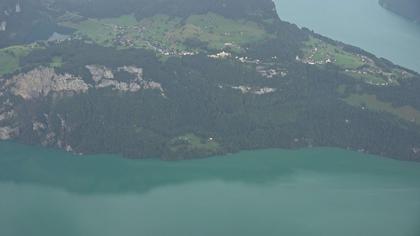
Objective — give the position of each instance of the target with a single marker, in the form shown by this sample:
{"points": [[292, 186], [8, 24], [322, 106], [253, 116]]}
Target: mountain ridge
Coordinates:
{"points": [[409, 9]]}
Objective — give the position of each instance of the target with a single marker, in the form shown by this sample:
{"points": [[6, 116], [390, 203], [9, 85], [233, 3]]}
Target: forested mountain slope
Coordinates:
{"points": [[407, 8], [195, 78]]}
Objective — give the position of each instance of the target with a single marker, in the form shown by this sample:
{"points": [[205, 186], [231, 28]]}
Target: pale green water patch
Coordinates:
{"points": [[270, 192]]}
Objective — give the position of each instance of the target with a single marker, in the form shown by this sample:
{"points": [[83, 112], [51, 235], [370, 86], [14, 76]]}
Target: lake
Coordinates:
{"points": [[315, 192], [363, 23]]}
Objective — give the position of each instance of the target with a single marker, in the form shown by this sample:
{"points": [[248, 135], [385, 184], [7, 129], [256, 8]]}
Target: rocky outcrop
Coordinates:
{"points": [[38, 126], [137, 72], [7, 115], [138, 78], [3, 26], [99, 73], [18, 8], [41, 81], [104, 77], [252, 90], [7, 132]]}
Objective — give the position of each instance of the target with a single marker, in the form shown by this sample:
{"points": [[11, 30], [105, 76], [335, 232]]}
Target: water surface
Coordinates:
{"points": [[272, 192], [363, 23]]}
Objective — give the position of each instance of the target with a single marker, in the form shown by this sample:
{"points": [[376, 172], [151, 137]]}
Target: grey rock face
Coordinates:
{"points": [[18, 9], [3, 26], [104, 77], [7, 132], [41, 81]]}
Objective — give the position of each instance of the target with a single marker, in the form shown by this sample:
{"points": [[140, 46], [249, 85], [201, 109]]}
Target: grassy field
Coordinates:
{"points": [[56, 62], [166, 33], [320, 51], [357, 66], [10, 57], [158, 30], [217, 30], [103, 31], [192, 142], [371, 102], [369, 78]]}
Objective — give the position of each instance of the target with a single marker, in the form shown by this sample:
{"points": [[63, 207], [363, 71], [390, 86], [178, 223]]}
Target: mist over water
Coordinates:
{"points": [[363, 23]]}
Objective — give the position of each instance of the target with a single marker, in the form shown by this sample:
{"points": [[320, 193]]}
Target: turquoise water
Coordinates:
{"points": [[271, 192], [363, 23]]}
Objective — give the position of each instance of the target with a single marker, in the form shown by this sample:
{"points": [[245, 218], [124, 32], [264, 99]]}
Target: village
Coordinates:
{"points": [[134, 36], [268, 70], [356, 65]]}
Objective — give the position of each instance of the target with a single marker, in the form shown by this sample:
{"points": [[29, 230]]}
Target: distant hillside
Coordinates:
{"points": [[179, 79], [407, 8]]}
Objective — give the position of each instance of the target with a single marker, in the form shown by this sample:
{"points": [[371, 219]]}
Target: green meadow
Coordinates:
{"points": [[169, 33], [10, 57]]}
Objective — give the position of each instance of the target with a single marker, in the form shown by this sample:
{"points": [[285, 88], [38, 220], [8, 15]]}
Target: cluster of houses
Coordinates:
{"points": [[264, 69], [369, 69], [124, 39], [312, 61]]}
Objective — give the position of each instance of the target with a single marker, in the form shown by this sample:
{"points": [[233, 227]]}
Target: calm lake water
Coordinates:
{"points": [[363, 23], [313, 192]]}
